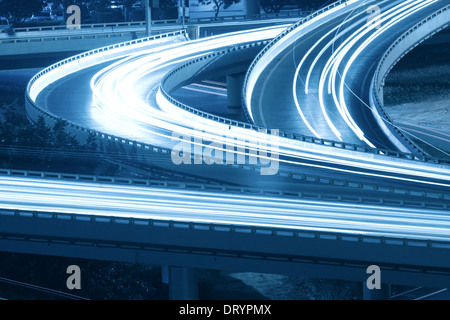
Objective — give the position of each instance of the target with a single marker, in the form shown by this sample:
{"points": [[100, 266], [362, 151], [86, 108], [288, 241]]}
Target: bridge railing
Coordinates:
{"points": [[343, 145], [79, 37], [76, 58], [402, 46], [242, 190], [207, 115]]}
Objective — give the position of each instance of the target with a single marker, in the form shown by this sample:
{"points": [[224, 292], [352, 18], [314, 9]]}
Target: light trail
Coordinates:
{"points": [[228, 209], [358, 29], [393, 19], [118, 96], [128, 101]]}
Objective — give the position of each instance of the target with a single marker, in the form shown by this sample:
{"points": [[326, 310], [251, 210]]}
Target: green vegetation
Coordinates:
{"points": [[100, 280], [218, 4], [417, 91], [20, 9], [422, 74], [37, 146], [417, 85]]}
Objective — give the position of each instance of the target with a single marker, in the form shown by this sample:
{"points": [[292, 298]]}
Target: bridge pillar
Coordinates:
{"points": [[165, 275], [253, 7], [377, 294], [193, 32], [183, 283], [234, 86], [148, 17]]}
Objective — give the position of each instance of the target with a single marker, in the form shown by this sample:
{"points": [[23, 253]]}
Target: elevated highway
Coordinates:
{"points": [[322, 71], [121, 94], [227, 229], [26, 42]]}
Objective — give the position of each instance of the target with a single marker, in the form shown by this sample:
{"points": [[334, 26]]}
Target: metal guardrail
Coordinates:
{"points": [[260, 16], [122, 33], [96, 133], [378, 80], [327, 142], [198, 112], [205, 187], [86, 26], [230, 228], [75, 37]]}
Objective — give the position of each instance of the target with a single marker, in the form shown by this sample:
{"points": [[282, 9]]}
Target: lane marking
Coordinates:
{"points": [[425, 128], [206, 91], [406, 292], [208, 87], [222, 84], [424, 133], [430, 294]]}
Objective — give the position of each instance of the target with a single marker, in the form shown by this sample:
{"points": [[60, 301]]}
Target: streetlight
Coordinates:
{"points": [[148, 18], [184, 11], [182, 6]]}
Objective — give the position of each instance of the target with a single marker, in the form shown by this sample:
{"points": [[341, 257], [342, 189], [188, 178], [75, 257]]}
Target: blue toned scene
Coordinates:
{"points": [[224, 150]]}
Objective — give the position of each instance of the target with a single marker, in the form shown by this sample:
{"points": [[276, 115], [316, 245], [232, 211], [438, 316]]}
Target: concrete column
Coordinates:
{"points": [[377, 294], [165, 274], [253, 7], [183, 10], [234, 87], [382, 94], [193, 32], [183, 283], [148, 18]]}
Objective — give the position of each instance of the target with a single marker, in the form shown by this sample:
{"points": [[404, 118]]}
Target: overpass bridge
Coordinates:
{"points": [[223, 228], [20, 45], [364, 205]]}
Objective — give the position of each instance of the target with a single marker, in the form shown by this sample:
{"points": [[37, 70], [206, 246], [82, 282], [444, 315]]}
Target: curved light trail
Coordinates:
{"points": [[261, 211], [126, 100]]}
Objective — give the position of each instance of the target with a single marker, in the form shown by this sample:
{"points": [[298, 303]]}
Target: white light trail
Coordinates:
{"points": [[129, 101], [229, 209]]}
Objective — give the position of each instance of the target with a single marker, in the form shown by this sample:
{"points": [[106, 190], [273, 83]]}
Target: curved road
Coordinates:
{"points": [[118, 92], [319, 82]]}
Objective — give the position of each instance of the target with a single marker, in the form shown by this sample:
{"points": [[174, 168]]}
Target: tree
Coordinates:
{"points": [[20, 9], [168, 4], [219, 3], [310, 4], [42, 133], [91, 142], [64, 4]]}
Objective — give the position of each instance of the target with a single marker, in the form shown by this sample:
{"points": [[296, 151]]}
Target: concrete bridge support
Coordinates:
{"points": [[234, 85], [183, 282], [193, 32], [148, 17], [253, 7]]}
